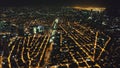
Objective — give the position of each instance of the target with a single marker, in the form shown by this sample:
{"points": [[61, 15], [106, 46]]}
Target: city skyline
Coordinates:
{"points": [[59, 34]]}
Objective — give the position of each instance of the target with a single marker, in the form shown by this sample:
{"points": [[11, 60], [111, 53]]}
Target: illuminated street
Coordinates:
{"points": [[63, 38]]}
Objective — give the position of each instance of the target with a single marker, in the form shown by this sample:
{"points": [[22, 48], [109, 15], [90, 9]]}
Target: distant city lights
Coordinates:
{"points": [[90, 8]]}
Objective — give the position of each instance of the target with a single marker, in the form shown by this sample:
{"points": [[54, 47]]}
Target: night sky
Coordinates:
{"points": [[52, 3], [106, 3], [111, 5]]}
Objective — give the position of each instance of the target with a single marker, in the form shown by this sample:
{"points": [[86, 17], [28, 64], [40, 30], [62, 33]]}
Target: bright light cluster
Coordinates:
{"points": [[90, 8]]}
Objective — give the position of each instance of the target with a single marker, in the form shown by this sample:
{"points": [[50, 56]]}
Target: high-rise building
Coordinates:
{"points": [[36, 29]]}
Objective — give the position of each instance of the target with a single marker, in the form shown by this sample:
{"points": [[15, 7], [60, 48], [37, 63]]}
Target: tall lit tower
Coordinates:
{"points": [[51, 41], [54, 28]]}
